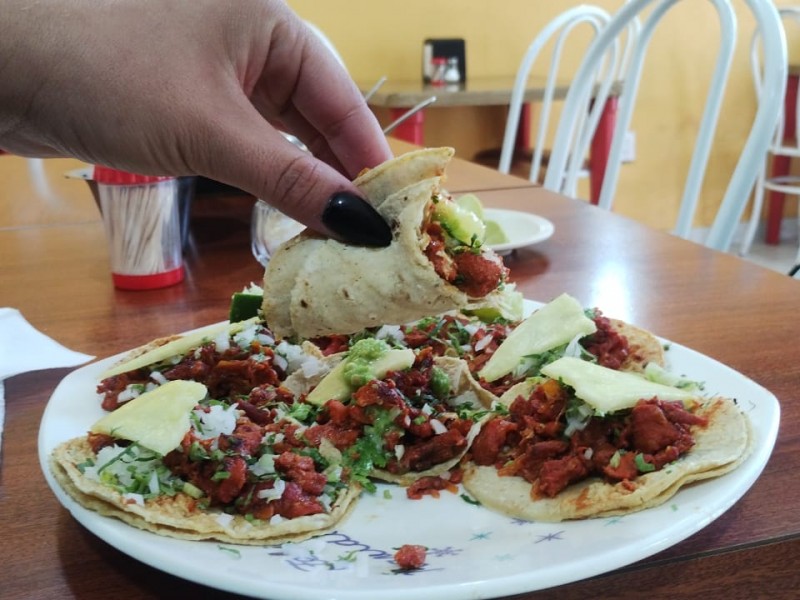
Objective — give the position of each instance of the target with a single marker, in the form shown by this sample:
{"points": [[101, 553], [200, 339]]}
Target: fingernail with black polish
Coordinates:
{"points": [[356, 221]]}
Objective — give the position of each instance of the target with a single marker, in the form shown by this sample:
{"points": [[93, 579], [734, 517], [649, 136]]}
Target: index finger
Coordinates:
{"points": [[327, 98]]}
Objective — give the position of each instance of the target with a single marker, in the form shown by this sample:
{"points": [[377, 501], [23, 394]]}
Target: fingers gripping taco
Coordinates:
{"points": [[435, 263]]}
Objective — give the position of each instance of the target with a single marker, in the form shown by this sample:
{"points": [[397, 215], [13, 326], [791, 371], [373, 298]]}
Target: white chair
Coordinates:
{"points": [[785, 144], [556, 34], [744, 175]]}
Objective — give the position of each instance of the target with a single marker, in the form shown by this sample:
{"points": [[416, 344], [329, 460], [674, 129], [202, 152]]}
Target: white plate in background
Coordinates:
{"points": [[522, 228]]}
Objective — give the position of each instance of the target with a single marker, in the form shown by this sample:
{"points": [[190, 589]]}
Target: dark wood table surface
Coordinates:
{"points": [[735, 312]]}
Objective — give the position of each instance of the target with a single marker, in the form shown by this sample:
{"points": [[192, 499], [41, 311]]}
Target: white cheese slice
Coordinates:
{"points": [[178, 347], [553, 325], [607, 390], [157, 419]]}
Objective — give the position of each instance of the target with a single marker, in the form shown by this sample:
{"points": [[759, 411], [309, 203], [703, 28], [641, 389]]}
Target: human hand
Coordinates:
{"points": [[185, 87]]}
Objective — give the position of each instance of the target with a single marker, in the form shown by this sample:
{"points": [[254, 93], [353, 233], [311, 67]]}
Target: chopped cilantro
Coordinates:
{"points": [[369, 451], [470, 500], [642, 465], [303, 411], [232, 552]]}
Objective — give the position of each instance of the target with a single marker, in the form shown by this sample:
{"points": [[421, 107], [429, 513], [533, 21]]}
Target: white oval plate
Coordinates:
{"points": [[472, 552], [522, 228]]}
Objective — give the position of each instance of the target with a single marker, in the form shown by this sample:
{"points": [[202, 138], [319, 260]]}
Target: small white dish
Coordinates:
{"points": [[522, 228]]}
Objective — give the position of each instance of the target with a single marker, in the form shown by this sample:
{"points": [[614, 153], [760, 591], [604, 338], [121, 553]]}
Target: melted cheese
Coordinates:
{"points": [[553, 325], [158, 419], [607, 390]]}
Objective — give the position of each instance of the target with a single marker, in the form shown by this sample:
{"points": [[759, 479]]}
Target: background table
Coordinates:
{"points": [[399, 96], [731, 310]]}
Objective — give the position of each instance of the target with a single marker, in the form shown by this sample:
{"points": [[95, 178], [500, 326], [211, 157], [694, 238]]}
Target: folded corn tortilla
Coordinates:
{"points": [[315, 287]]}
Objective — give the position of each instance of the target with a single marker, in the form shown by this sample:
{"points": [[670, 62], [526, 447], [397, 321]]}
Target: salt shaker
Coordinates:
{"points": [[452, 73], [142, 223]]}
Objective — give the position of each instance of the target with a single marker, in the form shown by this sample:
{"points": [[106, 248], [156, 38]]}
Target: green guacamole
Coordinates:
{"points": [[358, 368]]}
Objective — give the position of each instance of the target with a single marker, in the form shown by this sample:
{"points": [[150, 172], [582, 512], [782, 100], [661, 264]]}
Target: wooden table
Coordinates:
{"points": [[731, 310], [398, 96]]}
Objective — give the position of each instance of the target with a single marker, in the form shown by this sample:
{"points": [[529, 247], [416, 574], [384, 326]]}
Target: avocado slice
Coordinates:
{"points": [[553, 325], [157, 419], [334, 386]]}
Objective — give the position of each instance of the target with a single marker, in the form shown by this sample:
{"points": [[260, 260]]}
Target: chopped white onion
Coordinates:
{"points": [[153, 484], [483, 342], [292, 353], [399, 451], [245, 337], [438, 426], [219, 420], [280, 362], [574, 347], [129, 393], [273, 493], [471, 328], [265, 340], [158, 377], [390, 332], [222, 342], [264, 466]]}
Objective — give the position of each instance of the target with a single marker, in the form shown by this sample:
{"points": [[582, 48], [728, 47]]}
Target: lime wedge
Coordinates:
{"points": [[472, 203], [494, 233]]}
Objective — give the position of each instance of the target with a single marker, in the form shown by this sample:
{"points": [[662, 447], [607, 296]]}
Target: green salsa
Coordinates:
{"points": [[358, 368]]}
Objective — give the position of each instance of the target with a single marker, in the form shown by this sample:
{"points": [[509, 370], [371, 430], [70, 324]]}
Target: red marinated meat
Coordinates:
{"points": [[410, 556]]}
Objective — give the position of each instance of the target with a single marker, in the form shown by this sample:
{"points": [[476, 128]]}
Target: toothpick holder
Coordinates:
{"points": [[142, 223]]}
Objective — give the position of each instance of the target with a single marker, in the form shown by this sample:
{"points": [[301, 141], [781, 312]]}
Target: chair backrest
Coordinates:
{"points": [[785, 141], [556, 34], [741, 183]]}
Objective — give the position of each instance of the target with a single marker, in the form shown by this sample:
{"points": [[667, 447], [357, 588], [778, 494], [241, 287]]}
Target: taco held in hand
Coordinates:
{"points": [[435, 263]]}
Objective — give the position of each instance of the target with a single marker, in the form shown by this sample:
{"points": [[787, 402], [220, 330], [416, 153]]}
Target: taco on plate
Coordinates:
{"points": [[509, 353], [436, 261], [239, 363], [587, 441], [176, 463], [393, 414]]}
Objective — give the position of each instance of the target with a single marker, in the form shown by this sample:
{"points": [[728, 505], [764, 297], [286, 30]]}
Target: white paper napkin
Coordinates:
{"points": [[23, 348]]}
